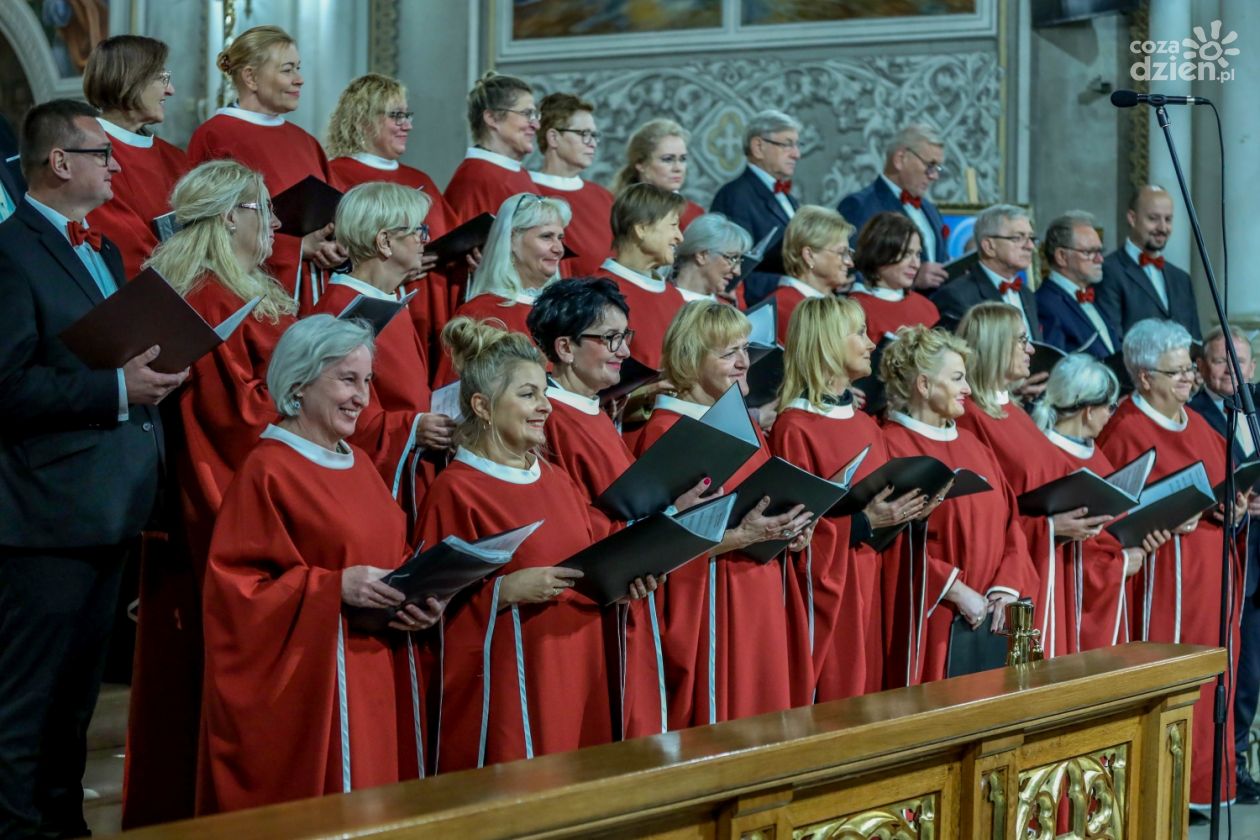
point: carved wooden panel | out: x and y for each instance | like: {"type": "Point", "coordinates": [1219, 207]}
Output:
{"type": "Point", "coordinates": [914, 819]}
{"type": "Point", "coordinates": [1091, 786]}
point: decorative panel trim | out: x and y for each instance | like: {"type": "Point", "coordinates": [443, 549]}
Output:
{"type": "Point", "coordinates": [383, 37]}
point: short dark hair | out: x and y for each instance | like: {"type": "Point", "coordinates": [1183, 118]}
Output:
{"type": "Point", "coordinates": [557, 109]}
{"type": "Point", "coordinates": [641, 204]}
{"type": "Point", "coordinates": [48, 126]}
{"type": "Point", "coordinates": [569, 307]}
{"type": "Point", "coordinates": [883, 240]}
{"type": "Point", "coordinates": [119, 68]}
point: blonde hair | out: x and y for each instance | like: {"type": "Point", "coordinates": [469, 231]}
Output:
{"type": "Point", "coordinates": [990, 330]}
{"type": "Point", "coordinates": [492, 92]}
{"type": "Point", "coordinates": [918, 349]}
{"type": "Point", "coordinates": [815, 354]}
{"type": "Point", "coordinates": [352, 126]}
{"type": "Point", "coordinates": [812, 227]}
{"type": "Point", "coordinates": [252, 48]}
{"type": "Point", "coordinates": [699, 328]}
{"type": "Point", "coordinates": [497, 273]}
{"type": "Point", "coordinates": [203, 246]}
{"type": "Point", "coordinates": [367, 209]}
{"type": "Point", "coordinates": [640, 147]}
{"type": "Point", "coordinates": [485, 354]}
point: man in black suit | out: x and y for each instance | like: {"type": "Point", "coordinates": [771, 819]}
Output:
{"type": "Point", "coordinates": [760, 199]}
{"type": "Point", "coordinates": [79, 459]}
{"type": "Point", "coordinates": [1218, 383]}
{"type": "Point", "coordinates": [1137, 281]}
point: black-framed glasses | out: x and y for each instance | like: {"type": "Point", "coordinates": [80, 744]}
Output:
{"type": "Point", "coordinates": [530, 114]}
{"type": "Point", "coordinates": [1017, 238]}
{"type": "Point", "coordinates": [106, 152]}
{"type": "Point", "coordinates": [164, 77]}
{"type": "Point", "coordinates": [589, 136]}
{"type": "Point", "coordinates": [931, 167]}
{"type": "Point", "coordinates": [421, 230]}
{"type": "Point", "coordinates": [1089, 253]}
{"type": "Point", "coordinates": [783, 144]}
{"type": "Point", "coordinates": [614, 341]}
{"type": "Point", "coordinates": [400, 117]}
{"type": "Point", "coordinates": [1173, 374]}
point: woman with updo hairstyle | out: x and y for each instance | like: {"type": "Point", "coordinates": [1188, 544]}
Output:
{"type": "Point", "coordinates": [265, 69]}
{"type": "Point", "coordinates": [816, 260]}
{"type": "Point", "coordinates": [887, 254]}
{"type": "Point", "coordinates": [503, 121]}
{"type": "Point", "coordinates": [657, 154]}
{"type": "Point", "coordinates": [974, 558]}
{"type": "Point", "coordinates": [127, 80]}
{"type": "Point", "coordinates": [708, 261]}
{"type": "Point", "coordinates": [836, 580]}
{"type": "Point", "coordinates": [735, 665]}
{"type": "Point", "coordinates": [543, 687]}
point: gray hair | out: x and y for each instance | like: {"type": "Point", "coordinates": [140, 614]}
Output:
{"type": "Point", "coordinates": [989, 221]}
{"type": "Point", "coordinates": [911, 135]}
{"type": "Point", "coordinates": [497, 273]}
{"type": "Point", "coordinates": [1062, 231]}
{"type": "Point", "coordinates": [715, 233]}
{"type": "Point", "coordinates": [1217, 333]}
{"type": "Point", "coordinates": [768, 122]}
{"type": "Point", "coordinates": [1149, 339]}
{"type": "Point", "coordinates": [306, 350]}
{"type": "Point", "coordinates": [1077, 381]}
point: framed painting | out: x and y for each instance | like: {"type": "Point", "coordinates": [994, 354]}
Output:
{"type": "Point", "coordinates": [960, 219]}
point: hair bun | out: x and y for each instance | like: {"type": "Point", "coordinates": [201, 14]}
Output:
{"type": "Point", "coordinates": [223, 62]}
{"type": "Point", "coordinates": [467, 338]}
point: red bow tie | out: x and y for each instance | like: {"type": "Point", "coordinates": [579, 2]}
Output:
{"type": "Point", "coordinates": [1085, 296]}
{"type": "Point", "coordinates": [1013, 286]}
{"type": "Point", "coordinates": [913, 200]}
{"type": "Point", "coordinates": [1145, 259]}
{"type": "Point", "coordinates": [782, 187]}
{"type": "Point", "coordinates": [78, 234]}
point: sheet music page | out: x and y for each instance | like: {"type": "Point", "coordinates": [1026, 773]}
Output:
{"type": "Point", "coordinates": [763, 320]}
{"type": "Point", "coordinates": [1131, 478]}
{"type": "Point", "coordinates": [494, 548]}
{"type": "Point", "coordinates": [708, 520]}
{"type": "Point", "coordinates": [1195, 476]}
{"type": "Point", "coordinates": [229, 325]}
{"type": "Point", "coordinates": [445, 400]}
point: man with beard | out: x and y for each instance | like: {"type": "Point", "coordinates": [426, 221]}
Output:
{"type": "Point", "coordinates": [1137, 281]}
{"type": "Point", "coordinates": [1070, 318]}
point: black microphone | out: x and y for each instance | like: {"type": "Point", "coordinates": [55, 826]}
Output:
{"type": "Point", "coordinates": [1129, 98]}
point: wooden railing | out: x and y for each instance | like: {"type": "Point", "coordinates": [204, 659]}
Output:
{"type": "Point", "coordinates": [984, 756]}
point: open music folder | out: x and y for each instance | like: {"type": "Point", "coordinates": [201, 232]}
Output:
{"type": "Point", "coordinates": [1112, 495]}
{"type": "Point", "coordinates": [1167, 503]}
{"type": "Point", "coordinates": [765, 356]}
{"type": "Point", "coordinates": [376, 311]}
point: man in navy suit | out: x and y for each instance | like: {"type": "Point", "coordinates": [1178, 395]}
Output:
{"type": "Point", "coordinates": [80, 451]}
{"type": "Point", "coordinates": [760, 199]}
{"type": "Point", "coordinates": [912, 164]}
{"type": "Point", "coordinates": [1137, 281]}
{"type": "Point", "coordinates": [1218, 383]}
{"type": "Point", "coordinates": [1070, 319]}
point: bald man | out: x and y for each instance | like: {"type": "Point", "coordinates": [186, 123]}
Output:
{"type": "Point", "coordinates": [1137, 281]}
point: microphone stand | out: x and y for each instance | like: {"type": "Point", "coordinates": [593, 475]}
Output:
{"type": "Point", "coordinates": [1246, 405]}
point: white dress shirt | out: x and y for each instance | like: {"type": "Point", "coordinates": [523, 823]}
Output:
{"type": "Point", "coordinates": [1090, 310]}
{"type": "Point", "coordinates": [1155, 275]}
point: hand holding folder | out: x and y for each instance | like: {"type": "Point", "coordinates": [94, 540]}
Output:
{"type": "Point", "coordinates": [1112, 495]}
{"type": "Point", "coordinates": [1166, 504]}
{"type": "Point", "coordinates": [305, 207]}
{"type": "Point", "coordinates": [378, 312]}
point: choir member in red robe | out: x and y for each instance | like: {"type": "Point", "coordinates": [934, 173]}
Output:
{"type": "Point", "coordinates": [835, 582]}
{"type": "Point", "coordinates": [126, 78]}
{"type": "Point", "coordinates": [709, 259]}
{"type": "Point", "coordinates": [1180, 586]}
{"type": "Point", "coordinates": [522, 255]}
{"type": "Point", "coordinates": [888, 257]}
{"type": "Point", "coordinates": [265, 68]}
{"type": "Point", "coordinates": [816, 259]}
{"type": "Point", "coordinates": [503, 120]}
{"type": "Point", "coordinates": [656, 154]}
{"type": "Point", "coordinates": [975, 556]}
{"type": "Point", "coordinates": [726, 638]}
{"type": "Point", "coordinates": [298, 703]}
{"type": "Point", "coordinates": [367, 134]}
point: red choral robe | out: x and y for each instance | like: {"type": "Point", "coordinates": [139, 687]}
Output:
{"type": "Point", "coordinates": [483, 181]}
{"type": "Point", "coordinates": [142, 191]}
{"type": "Point", "coordinates": [297, 704]}
{"type": "Point", "coordinates": [283, 154]}
{"type": "Point", "coordinates": [974, 538]}
{"type": "Point", "coordinates": [589, 233]}
{"type": "Point", "coordinates": [838, 586]}
{"type": "Point", "coordinates": [1178, 591]}
{"type": "Point", "coordinates": [787, 296]}
{"type": "Point", "coordinates": [689, 214]}
{"type": "Point", "coordinates": [653, 304]}
{"type": "Point", "coordinates": [726, 641]}
{"type": "Point", "coordinates": [540, 666]}
{"type": "Point", "coordinates": [887, 310]}
{"type": "Point", "coordinates": [488, 306]}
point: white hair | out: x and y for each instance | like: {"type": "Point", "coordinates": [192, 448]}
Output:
{"type": "Point", "coordinates": [768, 122]}
{"type": "Point", "coordinates": [1149, 339]}
{"type": "Point", "coordinates": [911, 135]}
{"type": "Point", "coordinates": [306, 350]}
{"type": "Point", "coordinates": [1076, 382]}
{"type": "Point", "coordinates": [715, 233]}
{"type": "Point", "coordinates": [989, 221]}
{"type": "Point", "coordinates": [497, 274]}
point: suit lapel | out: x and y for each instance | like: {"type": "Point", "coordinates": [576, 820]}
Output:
{"type": "Point", "coordinates": [59, 248]}
{"type": "Point", "coordinates": [767, 198]}
{"type": "Point", "coordinates": [1138, 276]}
{"type": "Point", "coordinates": [888, 200]}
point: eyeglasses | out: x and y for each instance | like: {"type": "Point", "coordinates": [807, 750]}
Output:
{"type": "Point", "coordinates": [1089, 253]}
{"type": "Point", "coordinates": [782, 144]}
{"type": "Point", "coordinates": [1023, 340]}
{"type": "Point", "coordinates": [1018, 238]}
{"type": "Point", "coordinates": [1173, 374]}
{"type": "Point", "coordinates": [613, 340]}
{"type": "Point", "coordinates": [256, 206]}
{"type": "Point", "coordinates": [400, 117]}
{"type": "Point", "coordinates": [844, 253]}
{"type": "Point", "coordinates": [730, 354]}
{"type": "Point", "coordinates": [106, 153]}
{"type": "Point", "coordinates": [670, 160]}
{"type": "Point", "coordinates": [421, 230]}
{"type": "Point", "coordinates": [164, 77]}
{"type": "Point", "coordinates": [589, 135]}
{"type": "Point", "coordinates": [929, 167]}
{"type": "Point", "coordinates": [733, 259]}
{"type": "Point", "coordinates": [530, 114]}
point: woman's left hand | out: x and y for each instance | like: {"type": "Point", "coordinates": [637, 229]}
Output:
{"type": "Point", "coordinates": [802, 540]}
{"type": "Point", "coordinates": [413, 617]}
{"type": "Point", "coordinates": [641, 587]}
{"type": "Point", "coordinates": [997, 604]}
{"type": "Point", "coordinates": [435, 431]}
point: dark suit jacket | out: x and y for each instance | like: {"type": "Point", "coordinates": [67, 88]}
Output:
{"type": "Point", "coordinates": [955, 297]}
{"type": "Point", "coordinates": [1065, 325]}
{"type": "Point", "coordinates": [71, 475]}
{"type": "Point", "coordinates": [858, 208]}
{"type": "Point", "coordinates": [749, 203]}
{"type": "Point", "coordinates": [1126, 295]}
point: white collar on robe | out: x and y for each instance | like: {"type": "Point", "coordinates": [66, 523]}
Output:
{"type": "Point", "coordinates": [894, 295]}
{"type": "Point", "coordinates": [1002, 397]}
{"type": "Point", "coordinates": [1084, 451]}
{"type": "Point", "coordinates": [804, 288]}
{"type": "Point", "coordinates": [503, 161]}
{"type": "Point", "coordinates": [643, 281]}
{"type": "Point", "coordinates": [342, 459]}
{"type": "Point", "coordinates": [375, 161]}
{"type": "Point", "coordinates": [250, 116]}
{"type": "Point", "coordinates": [1159, 419]}
{"type": "Point", "coordinates": [122, 135]}
{"type": "Point", "coordinates": [689, 295]}
{"type": "Point", "coordinates": [567, 183]}
{"type": "Point", "coordinates": [365, 289]}
{"type": "Point", "coordinates": [512, 475]}
{"type": "Point", "coordinates": [584, 404]}
{"type": "Point", "coordinates": [687, 408]}
{"type": "Point", "coordinates": [835, 412]}
{"type": "Point", "coordinates": [944, 433]}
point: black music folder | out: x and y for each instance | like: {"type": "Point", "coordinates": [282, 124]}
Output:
{"type": "Point", "coordinates": [165, 226]}
{"type": "Point", "coordinates": [441, 571]}
{"type": "Point", "coordinates": [458, 242]}
{"type": "Point", "coordinates": [634, 375]}
{"type": "Point", "coordinates": [1044, 358]}
{"type": "Point", "coordinates": [765, 356]}
{"type": "Point", "coordinates": [1245, 477]}
{"type": "Point", "coordinates": [1104, 496]}
{"type": "Point", "coordinates": [760, 253]}
{"type": "Point", "coordinates": [142, 313]}
{"type": "Point", "coordinates": [974, 649]}
{"type": "Point", "coordinates": [376, 311]}
{"type": "Point", "coordinates": [1166, 503]}
{"type": "Point", "coordinates": [715, 446]}
{"type": "Point", "coordinates": [960, 266]}
{"type": "Point", "coordinates": [306, 206]}
{"type": "Point", "coordinates": [655, 546]}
